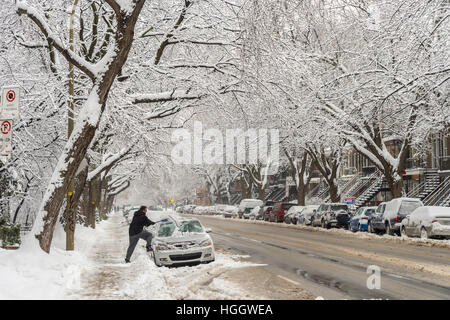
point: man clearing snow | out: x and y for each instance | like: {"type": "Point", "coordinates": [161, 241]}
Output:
{"type": "Point", "coordinates": [136, 231]}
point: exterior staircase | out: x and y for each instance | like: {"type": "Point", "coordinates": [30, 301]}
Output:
{"type": "Point", "coordinates": [362, 184]}
{"type": "Point", "coordinates": [440, 196]}
{"type": "Point", "coordinates": [370, 192]}
{"type": "Point", "coordinates": [432, 182]}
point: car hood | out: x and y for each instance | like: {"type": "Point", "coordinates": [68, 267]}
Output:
{"type": "Point", "coordinates": [184, 237]}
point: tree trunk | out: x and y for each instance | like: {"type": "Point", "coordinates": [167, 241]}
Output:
{"type": "Point", "coordinates": [396, 186]}
{"type": "Point", "coordinates": [72, 206]}
{"type": "Point", "coordinates": [335, 197]}
{"type": "Point", "coordinates": [261, 193]}
{"type": "Point", "coordinates": [301, 193]}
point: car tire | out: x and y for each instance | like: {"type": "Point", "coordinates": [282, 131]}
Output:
{"type": "Point", "coordinates": [403, 232]}
{"type": "Point", "coordinates": [389, 229]}
{"type": "Point", "coordinates": [424, 234]}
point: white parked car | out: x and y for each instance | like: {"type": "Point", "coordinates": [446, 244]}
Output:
{"type": "Point", "coordinates": [200, 210]}
{"type": "Point", "coordinates": [230, 212]}
{"type": "Point", "coordinates": [292, 214]}
{"type": "Point", "coordinates": [396, 210]}
{"type": "Point", "coordinates": [246, 206]}
{"type": "Point", "coordinates": [182, 241]}
{"type": "Point", "coordinates": [427, 222]}
{"type": "Point", "coordinates": [306, 214]}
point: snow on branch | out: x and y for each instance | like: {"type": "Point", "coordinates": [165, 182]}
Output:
{"type": "Point", "coordinates": [69, 55]}
{"type": "Point", "coordinates": [176, 94]}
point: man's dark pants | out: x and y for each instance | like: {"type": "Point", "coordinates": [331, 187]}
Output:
{"type": "Point", "coordinates": [144, 235]}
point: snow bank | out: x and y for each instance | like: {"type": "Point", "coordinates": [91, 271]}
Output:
{"type": "Point", "coordinates": [186, 283]}
{"type": "Point", "coordinates": [30, 273]}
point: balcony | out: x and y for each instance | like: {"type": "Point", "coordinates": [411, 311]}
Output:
{"type": "Point", "coordinates": [413, 163]}
{"type": "Point", "coordinates": [444, 163]}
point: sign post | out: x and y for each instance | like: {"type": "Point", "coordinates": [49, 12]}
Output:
{"type": "Point", "coordinates": [9, 111]}
{"type": "Point", "coordinates": [5, 138]}
{"type": "Point", "coordinates": [10, 103]}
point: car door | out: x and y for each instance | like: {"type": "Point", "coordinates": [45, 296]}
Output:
{"type": "Point", "coordinates": [377, 220]}
{"type": "Point", "coordinates": [411, 224]}
{"type": "Point", "coordinates": [316, 215]}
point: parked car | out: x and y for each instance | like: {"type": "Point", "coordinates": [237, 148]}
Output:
{"type": "Point", "coordinates": [306, 214]}
{"type": "Point", "coordinates": [359, 220]}
{"type": "Point", "coordinates": [254, 213]}
{"type": "Point", "coordinates": [375, 222]}
{"type": "Point", "coordinates": [201, 210]}
{"type": "Point", "coordinates": [246, 206]}
{"type": "Point", "coordinates": [396, 210]}
{"type": "Point", "coordinates": [180, 241]}
{"type": "Point", "coordinates": [265, 211]}
{"type": "Point", "coordinates": [292, 214]}
{"type": "Point", "coordinates": [230, 212]}
{"type": "Point", "coordinates": [279, 210]}
{"type": "Point", "coordinates": [188, 209]}
{"type": "Point", "coordinates": [427, 222]}
{"type": "Point", "coordinates": [332, 215]}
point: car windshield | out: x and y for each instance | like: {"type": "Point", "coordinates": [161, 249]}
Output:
{"type": "Point", "coordinates": [166, 229]}
{"type": "Point", "coordinates": [269, 203]}
{"type": "Point", "coordinates": [339, 207]}
{"type": "Point", "coordinates": [369, 212]}
{"type": "Point", "coordinates": [192, 226]}
{"type": "Point", "coordinates": [408, 206]}
{"type": "Point", "coordinates": [286, 206]}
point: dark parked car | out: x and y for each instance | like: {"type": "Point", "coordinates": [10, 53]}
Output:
{"type": "Point", "coordinates": [332, 215]}
{"type": "Point", "coordinates": [279, 210]}
{"type": "Point", "coordinates": [375, 223]}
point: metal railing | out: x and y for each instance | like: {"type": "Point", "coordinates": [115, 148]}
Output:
{"type": "Point", "coordinates": [440, 194]}
{"type": "Point", "coordinates": [350, 183]}
{"type": "Point", "coordinates": [415, 192]}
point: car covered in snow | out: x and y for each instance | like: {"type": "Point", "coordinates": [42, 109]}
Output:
{"type": "Point", "coordinates": [229, 211]}
{"type": "Point", "coordinates": [427, 222]}
{"type": "Point", "coordinates": [181, 240]}
{"type": "Point", "coordinates": [396, 210]}
{"type": "Point", "coordinates": [306, 214]}
{"type": "Point", "coordinates": [246, 206]}
{"type": "Point", "coordinates": [292, 214]}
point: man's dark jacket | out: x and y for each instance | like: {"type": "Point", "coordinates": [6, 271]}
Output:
{"type": "Point", "coordinates": [139, 221]}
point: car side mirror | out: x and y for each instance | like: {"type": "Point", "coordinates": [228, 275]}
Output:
{"type": "Point", "coordinates": [208, 230]}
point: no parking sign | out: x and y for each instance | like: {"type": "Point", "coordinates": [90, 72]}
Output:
{"type": "Point", "coordinates": [5, 137]}
{"type": "Point", "coordinates": [10, 103]}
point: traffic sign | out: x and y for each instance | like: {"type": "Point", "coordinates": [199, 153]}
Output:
{"type": "Point", "coordinates": [10, 108]}
{"type": "Point", "coordinates": [6, 128]}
